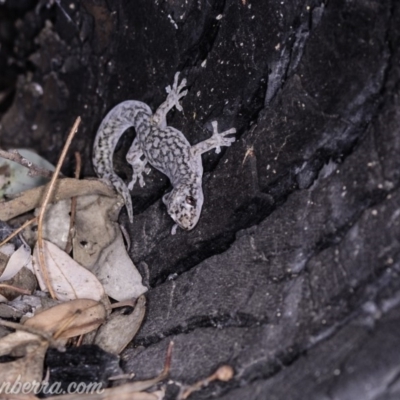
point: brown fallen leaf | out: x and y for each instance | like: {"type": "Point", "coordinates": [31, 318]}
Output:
{"type": "Point", "coordinates": [15, 273]}
{"type": "Point", "coordinates": [97, 242]}
{"type": "Point", "coordinates": [73, 318]}
{"type": "Point", "coordinates": [98, 245]}
{"type": "Point", "coordinates": [69, 280]}
{"type": "Point", "coordinates": [20, 258]}
{"type": "Point", "coordinates": [18, 397]}
{"type": "Point", "coordinates": [29, 351]}
{"type": "Point", "coordinates": [55, 224]}
{"type": "Point", "coordinates": [64, 189]}
{"type": "Point", "coordinates": [122, 392]}
{"type": "Point", "coordinates": [119, 329]}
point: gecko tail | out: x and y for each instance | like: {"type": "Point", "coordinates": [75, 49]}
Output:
{"type": "Point", "coordinates": [123, 190]}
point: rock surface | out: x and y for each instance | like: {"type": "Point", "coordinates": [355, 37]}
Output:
{"type": "Point", "coordinates": [292, 274]}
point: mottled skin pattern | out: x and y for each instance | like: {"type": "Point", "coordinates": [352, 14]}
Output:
{"type": "Point", "coordinates": [162, 146]}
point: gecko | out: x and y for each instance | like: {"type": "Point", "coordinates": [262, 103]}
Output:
{"type": "Point", "coordinates": [163, 147]}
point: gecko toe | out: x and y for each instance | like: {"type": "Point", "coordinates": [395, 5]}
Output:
{"type": "Point", "coordinates": [182, 85]}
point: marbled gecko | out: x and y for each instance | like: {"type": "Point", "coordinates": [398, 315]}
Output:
{"type": "Point", "coordinates": [162, 146]}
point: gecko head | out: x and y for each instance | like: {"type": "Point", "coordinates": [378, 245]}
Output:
{"type": "Point", "coordinates": [184, 205]}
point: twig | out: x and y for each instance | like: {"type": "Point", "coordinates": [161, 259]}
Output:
{"type": "Point", "coordinates": [223, 373]}
{"type": "Point", "coordinates": [168, 358]}
{"type": "Point", "coordinates": [40, 243]}
{"type": "Point", "coordinates": [34, 170]}
{"type": "Point", "coordinates": [33, 331]}
{"type": "Point", "coordinates": [68, 246]}
{"type": "Point", "coordinates": [18, 230]}
{"type": "Point", "coordinates": [122, 376]}
{"type": "Point", "coordinates": [79, 342]}
{"type": "Point", "coordinates": [15, 288]}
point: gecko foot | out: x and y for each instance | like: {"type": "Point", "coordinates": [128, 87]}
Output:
{"type": "Point", "coordinates": [175, 94]}
{"type": "Point", "coordinates": [219, 137]}
{"type": "Point", "coordinates": [159, 118]}
{"type": "Point", "coordinates": [138, 175]}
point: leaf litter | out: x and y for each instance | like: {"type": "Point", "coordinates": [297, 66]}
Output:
{"type": "Point", "coordinates": [74, 303]}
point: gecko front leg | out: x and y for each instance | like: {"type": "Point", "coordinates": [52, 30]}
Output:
{"type": "Point", "coordinates": [138, 161]}
{"type": "Point", "coordinates": [217, 140]}
{"type": "Point", "coordinates": [174, 95]}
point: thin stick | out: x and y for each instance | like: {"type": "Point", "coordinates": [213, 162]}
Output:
{"type": "Point", "coordinates": [15, 288]}
{"type": "Point", "coordinates": [168, 357]}
{"type": "Point", "coordinates": [79, 341]}
{"type": "Point", "coordinates": [122, 376]}
{"type": "Point", "coordinates": [18, 230]}
{"type": "Point", "coordinates": [34, 170]}
{"type": "Point", "coordinates": [40, 243]}
{"type": "Point", "coordinates": [223, 373]}
{"type": "Point", "coordinates": [34, 331]}
{"type": "Point", "coordinates": [78, 160]}
{"type": "Point", "coordinates": [68, 246]}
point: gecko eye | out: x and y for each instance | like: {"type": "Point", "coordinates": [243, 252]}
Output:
{"type": "Point", "coordinates": [190, 200]}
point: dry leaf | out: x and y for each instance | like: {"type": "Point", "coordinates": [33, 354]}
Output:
{"type": "Point", "coordinates": [69, 319]}
{"type": "Point", "coordinates": [22, 283]}
{"type": "Point", "coordinates": [29, 351]}
{"type": "Point", "coordinates": [117, 273]}
{"type": "Point", "coordinates": [17, 177]}
{"type": "Point", "coordinates": [95, 226]}
{"type": "Point", "coordinates": [20, 258]}
{"type": "Point", "coordinates": [19, 397]}
{"type": "Point", "coordinates": [15, 273]}
{"type": "Point", "coordinates": [64, 189]}
{"type": "Point", "coordinates": [119, 329]}
{"type": "Point", "coordinates": [69, 279]}
{"type": "Point", "coordinates": [56, 223]}
{"type": "Point", "coordinates": [99, 246]}
{"type": "Point", "coordinates": [7, 249]}
{"type": "Point", "coordinates": [122, 392]}
{"type": "Point", "coordinates": [27, 305]}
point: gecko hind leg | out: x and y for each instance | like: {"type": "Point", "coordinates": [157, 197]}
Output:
{"type": "Point", "coordinates": [138, 161]}
{"type": "Point", "coordinates": [172, 100]}
{"type": "Point", "coordinates": [217, 140]}
{"type": "Point", "coordinates": [137, 174]}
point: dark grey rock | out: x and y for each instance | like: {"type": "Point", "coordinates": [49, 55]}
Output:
{"type": "Point", "coordinates": [291, 275]}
